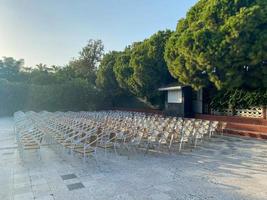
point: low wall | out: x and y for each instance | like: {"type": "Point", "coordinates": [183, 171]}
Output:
{"type": "Point", "coordinates": [144, 110]}
{"type": "Point", "coordinates": [235, 119]}
{"type": "Point", "coordinates": [253, 112]}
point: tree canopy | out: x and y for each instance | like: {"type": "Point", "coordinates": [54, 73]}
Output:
{"type": "Point", "coordinates": [52, 88]}
{"type": "Point", "coordinates": [123, 71]}
{"type": "Point", "coordinates": [9, 68]}
{"type": "Point", "coordinates": [141, 68]}
{"type": "Point", "coordinates": [106, 79]}
{"type": "Point", "coordinates": [222, 42]}
{"type": "Point", "coordinates": [88, 61]}
{"type": "Point", "coordinates": [87, 82]}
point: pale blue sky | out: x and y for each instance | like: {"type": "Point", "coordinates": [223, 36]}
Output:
{"type": "Point", "coordinates": [54, 31]}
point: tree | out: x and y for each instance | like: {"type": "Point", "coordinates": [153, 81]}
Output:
{"type": "Point", "coordinates": [149, 66]}
{"type": "Point", "coordinates": [64, 74]}
{"type": "Point", "coordinates": [86, 64]}
{"type": "Point", "coordinates": [123, 71]}
{"type": "Point", "coordinates": [10, 68]}
{"type": "Point", "coordinates": [41, 67]}
{"type": "Point", "coordinates": [106, 79]}
{"type": "Point", "coordinates": [42, 75]}
{"type": "Point", "coordinates": [238, 98]}
{"type": "Point", "coordinates": [221, 42]}
{"type": "Point", "coordinates": [141, 68]}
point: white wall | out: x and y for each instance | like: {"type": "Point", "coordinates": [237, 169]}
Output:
{"type": "Point", "coordinates": [175, 96]}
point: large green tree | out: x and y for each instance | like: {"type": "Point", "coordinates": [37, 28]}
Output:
{"type": "Point", "coordinates": [141, 68]}
{"type": "Point", "coordinates": [41, 75]}
{"type": "Point", "coordinates": [10, 68]}
{"type": "Point", "coordinates": [123, 71]}
{"type": "Point", "coordinates": [149, 66]}
{"type": "Point", "coordinates": [106, 79]}
{"type": "Point", "coordinates": [223, 42]}
{"type": "Point", "coordinates": [85, 66]}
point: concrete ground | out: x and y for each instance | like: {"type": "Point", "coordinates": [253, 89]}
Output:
{"type": "Point", "coordinates": [228, 168]}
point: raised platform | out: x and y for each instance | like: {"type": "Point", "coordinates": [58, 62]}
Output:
{"type": "Point", "coordinates": [249, 127]}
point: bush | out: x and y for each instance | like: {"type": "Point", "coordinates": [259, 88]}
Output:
{"type": "Point", "coordinates": [239, 98]}
{"type": "Point", "coordinates": [12, 97]}
{"type": "Point", "coordinates": [74, 95]}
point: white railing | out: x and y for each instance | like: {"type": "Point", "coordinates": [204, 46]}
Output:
{"type": "Point", "coordinates": [253, 112]}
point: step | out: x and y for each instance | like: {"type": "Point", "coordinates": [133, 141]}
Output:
{"type": "Point", "coordinates": [254, 134]}
{"type": "Point", "coordinates": [234, 119]}
{"type": "Point", "coordinates": [246, 127]}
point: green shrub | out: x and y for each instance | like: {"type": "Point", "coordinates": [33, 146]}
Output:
{"type": "Point", "coordinates": [73, 95]}
{"type": "Point", "coordinates": [238, 98]}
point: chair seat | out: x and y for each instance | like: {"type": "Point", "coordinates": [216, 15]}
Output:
{"type": "Point", "coordinates": [66, 144]}
{"type": "Point", "coordinates": [77, 146]}
{"type": "Point", "coordinates": [107, 145]}
{"type": "Point", "coordinates": [82, 151]}
{"type": "Point", "coordinates": [31, 147]}
{"type": "Point", "coordinates": [29, 143]}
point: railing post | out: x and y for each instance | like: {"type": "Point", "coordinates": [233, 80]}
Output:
{"type": "Point", "coordinates": [264, 112]}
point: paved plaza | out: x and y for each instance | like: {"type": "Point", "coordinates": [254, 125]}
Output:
{"type": "Point", "coordinates": [224, 167]}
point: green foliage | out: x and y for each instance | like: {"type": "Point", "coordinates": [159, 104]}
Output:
{"type": "Point", "coordinates": [122, 69]}
{"type": "Point", "coordinates": [73, 95]}
{"type": "Point", "coordinates": [12, 96]}
{"type": "Point", "coordinates": [238, 98]}
{"type": "Point", "coordinates": [223, 42]}
{"type": "Point", "coordinates": [41, 76]}
{"type": "Point", "coordinates": [149, 67]}
{"type": "Point", "coordinates": [86, 65]}
{"type": "Point", "coordinates": [141, 68]}
{"type": "Point", "coordinates": [51, 88]}
{"type": "Point", "coordinates": [9, 68]}
{"type": "Point", "coordinates": [55, 88]}
{"type": "Point", "coordinates": [106, 79]}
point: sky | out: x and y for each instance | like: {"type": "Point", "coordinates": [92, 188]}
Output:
{"type": "Point", "coordinates": [54, 31]}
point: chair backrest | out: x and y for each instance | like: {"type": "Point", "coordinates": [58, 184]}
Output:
{"type": "Point", "coordinates": [137, 138]}
{"type": "Point", "coordinates": [214, 125]}
{"type": "Point", "coordinates": [93, 140]}
{"type": "Point", "coordinates": [188, 128]}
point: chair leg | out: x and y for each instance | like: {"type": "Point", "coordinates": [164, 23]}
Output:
{"type": "Point", "coordinates": [180, 146]}
{"type": "Point", "coordinates": [39, 154]}
{"type": "Point", "coordinates": [95, 157]}
{"type": "Point", "coordinates": [181, 143]}
{"type": "Point", "coordinates": [147, 148]}
{"type": "Point", "coordinates": [23, 156]}
{"type": "Point", "coordinates": [115, 149]}
{"type": "Point", "coordinates": [195, 143]}
{"type": "Point", "coordinates": [159, 147]}
{"type": "Point", "coordinates": [84, 156]}
{"type": "Point", "coordinates": [135, 150]}
{"type": "Point", "coordinates": [169, 150]}
{"type": "Point", "coordinates": [170, 147]}
{"type": "Point", "coordinates": [105, 151]}
{"type": "Point", "coordinates": [129, 151]}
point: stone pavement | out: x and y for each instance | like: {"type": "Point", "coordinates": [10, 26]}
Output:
{"type": "Point", "coordinates": [229, 168]}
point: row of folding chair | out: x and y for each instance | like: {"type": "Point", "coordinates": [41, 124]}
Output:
{"type": "Point", "coordinates": [168, 130]}
{"type": "Point", "coordinates": [28, 135]}
{"type": "Point", "coordinates": [85, 132]}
